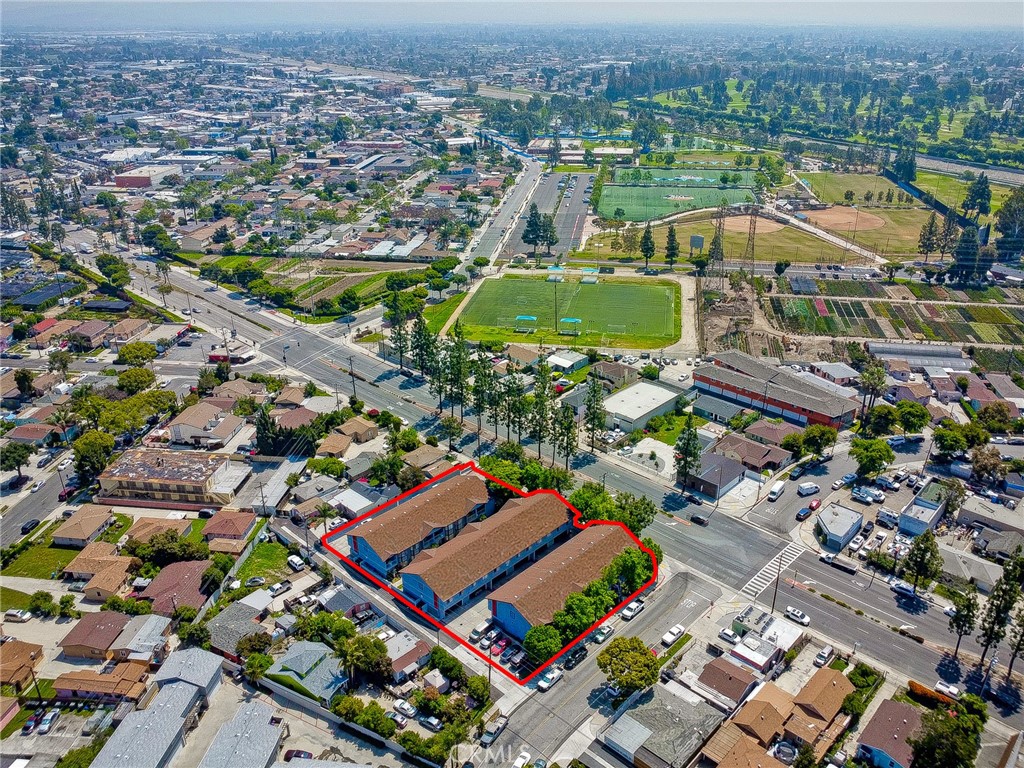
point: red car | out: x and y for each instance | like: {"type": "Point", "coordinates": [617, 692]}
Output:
{"type": "Point", "coordinates": [67, 493]}
{"type": "Point", "coordinates": [815, 503]}
{"type": "Point", "coordinates": [499, 646]}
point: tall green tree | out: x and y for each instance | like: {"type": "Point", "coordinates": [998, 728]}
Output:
{"type": "Point", "coordinates": [541, 406]}
{"type": "Point", "coordinates": [872, 456]}
{"type": "Point", "coordinates": [450, 429]}
{"type": "Point", "coordinates": [1001, 600]}
{"type": "Point", "coordinates": [671, 247]}
{"type": "Point", "coordinates": [629, 664]}
{"type": "Point", "coordinates": [400, 340]}
{"type": "Point", "coordinates": [967, 254]}
{"type": "Point", "coordinates": [1009, 224]}
{"type": "Point", "coordinates": [423, 345]}
{"type": "Point", "coordinates": [1016, 640]}
{"type": "Point", "coordinates": [912, 415]}
{"type": "Point", "coordinates": [549, 233]}
{"type": "Point", "coordinates": [92, 452]}
{"type": "Point", "coordinates": [949, 737]}
{"type": "Point", "coordinates": [964, 621]}
{"type": "Point", "coordinates": [949, 235]}
{"type": "Point", "coordinates": [978, 200]}
{"type": "Point", "coordinates": [647, 245]}
{"type": "Point", "coordinates": [541, 643]}
{"type": "Point", "coordinates": [595, 417]}
{"type": "Point", "coordinates": [928, 240]}
{"type": "Point", "coordinates": [873, 386]}
{"type": "Point", "coordinates": [533, 232]}
{"type": "Point", "coordinates": [687, 451]}
{"type": "Point", "coordinates": [458, 368]}
{"type": "Point", "coordinates": [23, 379]}
{"type": "Point", "coordinates": [565, 436]}
{"type": "Point", "coordinates": [818, 437]}
{"type": "Point", "coordinates": [923, 561]}
{"type": "Point", "coordinates": [14, 456]}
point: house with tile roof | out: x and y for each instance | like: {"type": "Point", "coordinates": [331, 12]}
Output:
{"type": "Point", "coordinates": [389, 540]}
{"type": "Point", "coordinates": [532, 597]}
{"type": "Point", "coordinates": [445, 578]}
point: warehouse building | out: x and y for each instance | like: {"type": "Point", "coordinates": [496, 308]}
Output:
{"type": "Point", "coordinates": [446, 578]}
{"type": "Point", "coordinates": [776, 391]}
{"type": "Point", "coordinates": [631, 408]}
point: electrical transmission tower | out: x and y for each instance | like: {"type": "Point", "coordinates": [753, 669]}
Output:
{"type": "Point", "coordinates": [718, 256]}
{"type": "Point", "coordinates": [748, 253]}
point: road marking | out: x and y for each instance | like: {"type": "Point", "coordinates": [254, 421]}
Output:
{"type": "Point", "coordinates": [771, 569]}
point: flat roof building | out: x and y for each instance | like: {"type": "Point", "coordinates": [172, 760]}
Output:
{"type": "Point", "coordinates": [531, 598]}
{"type": "Point", "coordinates": [442, 579]}
{"type": "Point", "coordinates": [173, 478]}
{"type": "Point", "coordinates": [839, 525]}
{"type": "Point", "coordinates": [252, 738]}
{"type": "Point", "coordinates": [631, 408]}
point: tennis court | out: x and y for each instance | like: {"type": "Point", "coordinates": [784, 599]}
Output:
{"type": "Point", "coordinates": [636, 314]}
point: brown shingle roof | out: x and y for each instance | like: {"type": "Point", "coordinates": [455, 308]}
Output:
{"type": "Point", "coordinates": [541, 589]}
{"type": "Point", "coordinates": [823, 694]}
{"type": "Point", "coordinates": [356, 425]}
{"type": "Point", "coordinates": [295, 417]}
{"type": "Point", "coordinates": [126, 680]}
{"type": "Point", "coordinates": [745, 753]}
{"type": "Point", "coordinates": [96, 630]}
{"type": "Point", "coordinates": [290, 396]}
{"type": "Point", "coordinates": [96, 557]}
{"type": "Point", "coordinates": [176, 585]}
{"type": "Point", "coordinates": [423, 456]}
{"type": "Point", "coordinates": [726, 678]}
{"type": "Point", "coordinates": [197, 416]}
{"type": "Point", "coordinates": [84, 524]}
{"type": "Point", "coordinates": [482, 547]}
{"type": "Point", "coordinates": [147, 527]}
{"type": "Point", "coordinates": [335, 444]}
{"type": "Point", "coordinates": [17, 660]}
{"type": "Point", "coordinates": [771, 432]}
{"type": "Point", "coordinates": [410, 521]}
{"type": "Point", "coordinates": [228, 525]}
{"type": "Point", "coordinates": [761, 720]}
{"type": "Point", "coordinates": [890, 727]}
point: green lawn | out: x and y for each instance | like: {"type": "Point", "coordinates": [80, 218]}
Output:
{"type": "Point", "coordinates": [830, 187]}
{"type": "Point", "coordinates": [12, 598]}
{"type": "Point", "coordinates": [626, 313]}
{"type": "Point", "coordinates": [196, 534]}
{"type": "Point", "coordinates": [899, 234]}
{"type": "Point", "coordinates": [121, 525]}
{"type": "Point", "coordinates": [952, 189]}
{"type": "Point", "coordinates": [268, 559]}
{"type": "Point", "coordinates": [643, 203]}
{"type": "Point", "coordinates": [670, 427]}
{"type": "Point", "coordinates": [788, 243]}
{"type": "Point", "coordinates": [437, 315]}
{"type": "Point", "coordinates": [15, 725]}
{"type": "Point", "coordinates": [687, 177]}
{"type": "Point", "coordinates": [42, 559]}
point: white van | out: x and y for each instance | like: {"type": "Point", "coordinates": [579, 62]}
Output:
{"type": "Point", "coordinates": [824, 656]}
{"type": "Point", "coordinates": [480, 630]}
{"type": "Point", "coordinates": [777, 489]}
{"type": "Point", "coordinates": [806, 489]}
{"type": "Point", "coordinates": [295, 563]}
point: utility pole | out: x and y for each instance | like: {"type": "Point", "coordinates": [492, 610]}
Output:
{"type": "Point", "coordinates": [778, 578]}
{"type": "Point", "coordinates": [352, 373]}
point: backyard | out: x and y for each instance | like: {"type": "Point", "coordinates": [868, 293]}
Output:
{"type": "Point", "coordinates": [42, 560]}
{"type": "Point", "coordinates": [268, 559]}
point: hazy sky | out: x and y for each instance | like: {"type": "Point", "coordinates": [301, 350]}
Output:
{"type": "Point", "coordinates": [245, 15]}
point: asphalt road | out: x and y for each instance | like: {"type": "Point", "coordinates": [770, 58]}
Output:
{"type": "Point", "coordinates": [545, 720]}
{"type": "Point", "coordinates": [33, 505]}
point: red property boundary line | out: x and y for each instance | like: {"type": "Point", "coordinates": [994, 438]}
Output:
{"type": "Point", "coordinates": [458, 469]}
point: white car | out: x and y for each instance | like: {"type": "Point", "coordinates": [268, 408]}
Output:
{"type": "Point", "coordinates": [950, 611]}
{"type": "Point", "coordinates": [39, 484]}
{"type": "Point", "coordinates": [549, 678]}
{"type": "Point", "coordinates": [949, 690]}
{"type": "Point", "coordinates": [403, 706]}
{"type": "Point", "coordinates": [837, 485]}
{"type": "Point", "coordinates": [729, 636]}
{"type": "Point", "coordinates": [795, 614]}
{"type": "Point", "coordinates": [522, 761]}
{"type": "Point", "coordinates": [603, 633]}
{"type": "Point", "coordinates": [632, 610]}
{"type": "Point", "coordinates": [673, 634]}
{"type": "Point", "coordinates": [857, 543]}
{"type": "Point", "coordinates": [65, 464]}
{"type": "Point", "coordinates": [998, 441]}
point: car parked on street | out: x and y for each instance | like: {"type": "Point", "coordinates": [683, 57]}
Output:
{"type": "Point", "coordinates": [795, 614]}
{"type": "Point", "coordinates": [603, 633]}
{"type": "Point", "coordinates": [547, 680]}
{"type": "Point", "coordinates": [632, 610]}
{"type": "Point", "coordinates": [673, 634]}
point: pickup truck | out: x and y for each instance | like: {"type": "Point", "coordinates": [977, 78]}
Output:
{"type": "Point", "coordinates": [836, 561]}
{"type": "Point", "coordinates": [493, 730]}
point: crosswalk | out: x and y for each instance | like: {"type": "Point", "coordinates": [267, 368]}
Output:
{"type": "Point", "coordinates": [767, 575]}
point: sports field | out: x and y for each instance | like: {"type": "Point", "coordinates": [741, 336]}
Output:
{"type": "Point", "coordinates": [613, 313]}
{"type": "Point", "coordinates": [687, 177]}
{"type": "Point", "coordinates": [951, 190]}
{"type": "Point", "coordinates": [654, 202]}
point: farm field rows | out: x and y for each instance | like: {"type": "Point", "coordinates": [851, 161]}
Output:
{"type": "Point", "coordinates": [826, 316]}
{"type": "Point", "coordinates": [621, 313]}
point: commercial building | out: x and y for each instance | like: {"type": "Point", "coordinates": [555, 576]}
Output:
{"type": "Point", "coordinates": [839, 524]}
{"type": "Point", "coordinates": [925, 510]}
{"type": "Point", "coordinates": [390, 540]}
{"type": "Point", "coordinates": [746, 380]}
{"type": "Point", "coordinates": [145, 176]}
{"type": "Point", "coordinates": [180, 479]}
{"type": "Point", "coordinates": [883, 742]}
{"type": "Point", "coordinates": [631, 408]}
{"type": "Point", "coordinates": [532, 597]}
{"type": "Point", "coordinates": [443, 579]}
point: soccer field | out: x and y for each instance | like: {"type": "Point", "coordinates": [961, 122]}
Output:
{"type": "Point", "coordinates": [616, 313]}
{"type": "Point", "coordinates": [653, 202]}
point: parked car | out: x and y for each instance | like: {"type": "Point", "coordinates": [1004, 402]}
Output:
{"type": "Point", "coordinates": [29, 525]}
{"type": "Point", "coordinates": [279, 588]}
{"type": "Point", "coordinates": [17, 615]}
{"type": "Point", "coordinates": [729, 636]}
{"type": "Point", "coordinates": [795, 614]}
{"type": "Point", "coordinates": [489, 639]}
{"type": "Point", "coordinates": [297, 754]}
{"type": "Point", "coordinates": [38, 485]}
{"type": "Point", "coordinates": [407, 709]}
{"type": "Point", "coordinates": [49, 720]}
{"type": "Point", "coordinates": [547, 680]}
{"type": "Point", "coordinates": [603, 633]}
{"type": "Point", "coordinates": [803, 514]}
{"type": "Point", "coordinates": [29, 726]}
{"type": "Point", "coordinates": [400, 720]}
{"type": "Point", "coordinates": [431, 724]}
{"type": "Point", "coordinates": [815, 503]}
{"type": "Point", "coordinates": [499, 646]}
{"type": "Point", "coordinates": [206, 513]}
{"type": "Point", "coordinates": [522, 761]}
{"type": "Point", "coordinates": [672, 635]}
{"type": "Point", "coordinates": [949, 690]}
{"type": "Point", "coordinates": [838, 484]}
{"type": "Point", "coordinates": [632, 610]}
{"type": "Point", "coordinates": [857, 543]}
{"type": "Point", "coordinates": [255, 581]}
{"type": "Point", "coordinates": [575, 656]}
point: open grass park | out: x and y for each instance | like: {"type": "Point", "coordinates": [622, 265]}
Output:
{"type": "Point", "coordinates": [644, 203]}
{"type": "Point", "coordinates": [611, 313]}
{"type": "Point", "coordinates": [951, 190]}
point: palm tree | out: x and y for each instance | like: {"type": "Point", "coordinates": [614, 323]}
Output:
{"type": "Point", "coordinates": [63, 418]}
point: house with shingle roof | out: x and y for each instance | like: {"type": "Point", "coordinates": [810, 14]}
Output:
{"type": "Point", "coordinates": [84, 526]}
{"type": "Point", "coordinates": [145, 528]}
{"type": "Point", "coordinates": [204, 425]}
{"type": "Point", "coordinates": [883, 742]}
{"type": "Point", "coordinates": [93, 635]}
{"type": "Point", "coordinates": [359, 429]}
{"type": "Point", "coordinates": [177, 585]}
{"type": "Point", "coordinates": [771, 432]}
{"type": "Point", "coordinates": [391, 539]}
{"type": "Point", "coordinates": [293, 418]}
{"type": "Point", "coordinates": [229, 525]}
{"type": "Point", "coordinates": [310, 668]}
{"type": "Point", "coordinates": [104, 571]}
{"type": "Point", "coordinates": [228, 627]}
{"type": "Point", "coordinates": [441, 579]}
